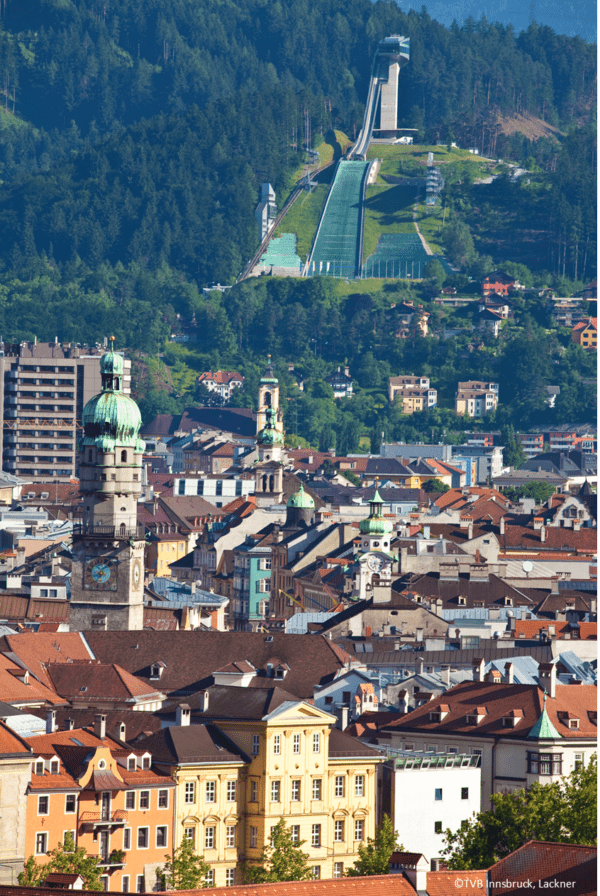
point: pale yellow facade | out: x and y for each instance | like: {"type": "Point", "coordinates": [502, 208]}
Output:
{"type": "Point", "coordinates": [210, 810]}
{"type": "Point", "coordinates": [328, 801]}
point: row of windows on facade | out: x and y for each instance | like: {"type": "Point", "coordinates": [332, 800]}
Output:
{"type": "Point", "coordinates": [218, 487]}
{"type": "Point", "coordinates": [142, 839]}
{"type": "Point", "coordinates": [537, 763]}
{"type": "Point", "coordinates": [210, 792]}
{"type": "Point", "coordinates": [143, 799]}
{"type": "Point", "coordinates": [339, 834]}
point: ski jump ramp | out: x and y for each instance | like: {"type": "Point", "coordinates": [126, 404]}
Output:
{"type": "Point", "coordinates": [392, 54]}
{"type": "Point", "coordinates": [337, 247]}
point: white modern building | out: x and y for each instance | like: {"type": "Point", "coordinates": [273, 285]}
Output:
{"type": "Point", "coordinates": [214, 490]}
{"type": "Point", "coordinates": [429, 793]}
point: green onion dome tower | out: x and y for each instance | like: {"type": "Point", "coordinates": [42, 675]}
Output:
{"type": "Point", "coordinates": [108, 567]}
{"type": "Point", "coordinates": [300, 509]}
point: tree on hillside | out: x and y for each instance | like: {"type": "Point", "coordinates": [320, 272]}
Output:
{"type": "Point", "coordinates": [281, 860]}
{"type": "Point", "coordinates": [185, 870]}
{"type": "Point", "coordinates": [512, 453]}
{"type": "Point", "coordinates": [561, 812]}
{"type": "Point", "coordinates": [435, 275]}
{"type": "Point", "coordinates": [66, 859]}
{"type": "Point", "coordinates": [374, 857]}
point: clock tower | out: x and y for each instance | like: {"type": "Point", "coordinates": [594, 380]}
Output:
{"type": "Point", "coordinates": [375, 559]}
{"type": "Point", "coordinates": [107, 585]}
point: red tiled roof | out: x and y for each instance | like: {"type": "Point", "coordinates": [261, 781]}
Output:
{"type": "Point", "coordinates": [500, 700]}
{"type": "Point", "coordinates": [13, 690]}
{"type": "Point", "coordinates": [531, 628]}
{"type": "Point", "coordinates": [97, 681]}
{"type": "Point", "coordinates": [444, 883]}
{"type": "Point", "coordinates": [582, 325]}
{"type": "Point", "coordinates": [36, 649]}
{"type": "Point", "coordinates": [11, 742]}
{"type": "Point", "coordinates": [550, 867]}
{"type": "Point", "coordinates": [220, 377]}
{"type": "Point", "coordinates": [379, 885]}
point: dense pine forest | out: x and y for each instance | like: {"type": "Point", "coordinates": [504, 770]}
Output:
{"type": "Point", "coordinates": [134, 138]}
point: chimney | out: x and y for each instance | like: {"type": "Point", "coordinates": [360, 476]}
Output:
{"type": "Point", "coordinates": [445, 676]}
{"type": "Point", "coordinates": [417, 877]}
{"type": "Point", "coordinates": [69, 724]}
{"type": "Point", "coordinates": [204, 701]}
{"type": "Point", "coordinates": [51, 721]}
{"type": "Point", "coordinates": [509, 673]}
{"type": "Point", "coordinates": [538, 522]}
{"type": "Point", "coordinates": [543, 534]}
{"type": "Point", "coordinates": [478, 669]}
{"type": "Point", "coordinates": [342, 718]}
{"type": "Point", "coordinates": [470, 530]}
{"type": "Point", "coordinates": [122, 731]}
{"type": "Point", "coordinates": [502, 525]}
{"type": "Point", "coordinates": [547, 678]}
{"type": "Point", "coordinates": [420, 665]}
{"type": "Point", "coordinates": [347, 371]}
{"type": "Point", "coordinates": [576, 525]}
{"type": "Point", "coordinates": [100, 726]}
{"type": "Point", "coordinates": [182, 715]}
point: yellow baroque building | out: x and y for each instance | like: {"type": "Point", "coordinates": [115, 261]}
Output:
{"type": "Point", "coordinates": [258, 755]}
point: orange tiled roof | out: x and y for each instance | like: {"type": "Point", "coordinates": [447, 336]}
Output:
{"type": "Point", "coordinates": [443, 883]}
{"type": "Point", "coordinates": [35, 649]}
{"type": "Point", "coordinates": [500, 700]}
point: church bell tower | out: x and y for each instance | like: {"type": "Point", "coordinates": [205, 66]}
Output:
{"type": "Point", "coordinates": [270, 440]}
{"type": "Point", "coordinates": [107, 587]}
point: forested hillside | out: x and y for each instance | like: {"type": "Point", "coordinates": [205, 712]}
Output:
{"type": "Point", "coordinates": [134, 138]}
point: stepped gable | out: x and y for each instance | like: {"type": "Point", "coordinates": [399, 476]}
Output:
{"type": "Point", "coordinates": [191, 657]}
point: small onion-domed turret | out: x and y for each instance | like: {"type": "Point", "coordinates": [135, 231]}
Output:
{"type": "Point", "coordinates": [269, 434]}
{"type": "Point", "coordinates": [375, 524]}
{"type": "Point", "coordinates": [300, 509]}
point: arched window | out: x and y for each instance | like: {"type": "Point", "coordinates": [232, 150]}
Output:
{"type": "Point", "coordinates": [123, 528]}
{"type": "Point", "coordinates": [264, 483]}
{"type": "Point", "coordinates": [123, 457]}
{"type": "Point", "coordinates": [271, 483]}
{"type": "Point", "coordinates": [90, 455]}
{"type": "Point", "coordinates": [268, 399]}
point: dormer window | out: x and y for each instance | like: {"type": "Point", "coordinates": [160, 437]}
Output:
{"type": "Point", "coordinates": [131, 763]}
{"type": "Point", "coordinates": [508, 602]}
{"type": "Point", "coordinates": [39, 767]}
{"type": "Point", "coordinates": [573, 724]}
{"type": "Point", "coordinates": [146, 760]}
{"type": "Point", "coordinates": [439, 713]}
{"type": "Point", "coordinates": [462, 601]}
{"type": "Point", "coordinates": [512, 718]}
{"type": "Point", "coordinates": [54, 767]}
{"type": "Point", "coordinates": [156, 670]}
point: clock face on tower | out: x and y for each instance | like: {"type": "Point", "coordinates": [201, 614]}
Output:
{"type": "Point", "coordinates": [375, 563]}
{"type": "Point", "coordinates": [100, 574]}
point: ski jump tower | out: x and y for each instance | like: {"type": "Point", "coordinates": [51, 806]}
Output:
{"type": "Point", "coordinates": [391, 55]}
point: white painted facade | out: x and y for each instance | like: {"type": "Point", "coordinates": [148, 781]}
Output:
{"type": "Point", "coordinates": [429, 794]}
